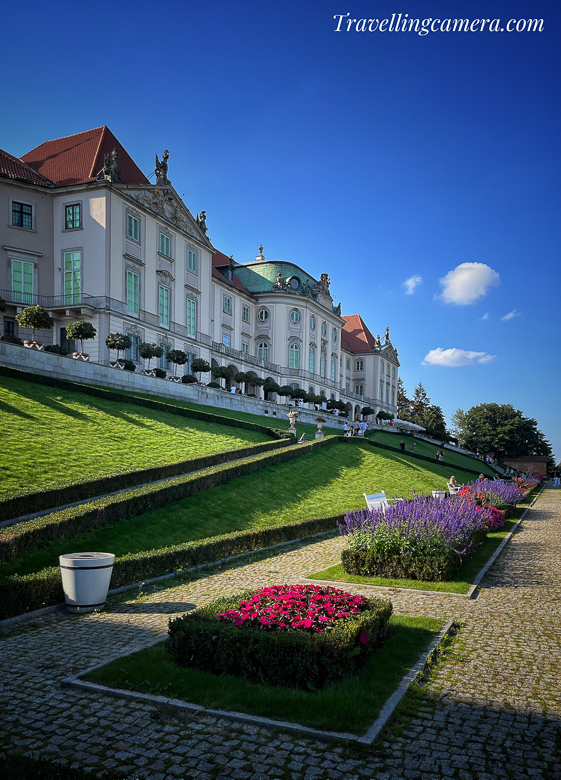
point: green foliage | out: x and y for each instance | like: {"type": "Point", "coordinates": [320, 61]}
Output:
{"type": "Point", "coordinates": [160, 373]}
{"type": "Point", "coordinates": [403, 402]}
{"type": "Point", "coordinates": [34, 591]}
{"type": "Point", "coordinates": [221, 372]}
{"type": "Point", "coordinates": [129, 365]}
{"type": "Point", "coordinates": [287, 658]}
{"type": "Point", "coordinates": [214, 384]}
{"type": "Point", "coordinates": [119, 342]}
{"type": "Point", "coordinates": [2, 304]}
{"type": "Point", "coordinates": [148, 350]}
{"type": "Point", "coordinates": [373, 564]}
{"type": "Point", "coordinates": [188, 379]}
{"type": "Point", "coordinates": [56, 349]}
{"type": "Point", "coordinates": [36, 318]}
{"type": "Point", "coordinates": [80, 331]}
{"type": "Point", "coordinates": [200, 366]}
{"type": "Point", "coordinates": [177, 357]}
{"type": "Point", "coordinates": [9, 339]}
{"type": "Point", "coordinates": [432, 420]}
{"type": "Point", "coordinates": [502, 429]}
{"type": "Point", "coordinates": [366, 411]}
{"type": "Point", "coordinates": [382, 415]}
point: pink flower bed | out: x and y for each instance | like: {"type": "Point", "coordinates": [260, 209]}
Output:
{"type": "Point", "coordinates": [311, 608]}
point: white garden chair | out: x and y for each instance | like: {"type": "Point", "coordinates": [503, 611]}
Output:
{"type": "Point", "coordinates": [376, 501]}
{"type": "Point", "coordinates": [440, 494]}
{"type": "Point", "coordinates": [452, 489]}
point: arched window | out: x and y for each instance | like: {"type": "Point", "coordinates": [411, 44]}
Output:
{"type": "Point", "coordinates": [294, 361]}
{"type": "Point", "coordinates": [323, 328]}
{"type": "Point", "coordinates": [333, 367]}
{"type": "Point", "coordinates": [263, 350]}
{"type": "Point", "coordinates": [322, 365]}
{"type": "Point", "coordinates": [312, 322]}
{"type": "Point", "coordinates": [312, 364]}
{"type": "Point", "coordinates": [334, 335]}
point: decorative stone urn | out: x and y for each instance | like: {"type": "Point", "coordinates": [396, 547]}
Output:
{"type": "Point", "coordinates": [319, 433]}
{"type": "Point", "coordinates": [292, 416]}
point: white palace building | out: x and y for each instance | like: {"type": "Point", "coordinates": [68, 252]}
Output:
{"type": "Point", "coordinates": [87, 236]}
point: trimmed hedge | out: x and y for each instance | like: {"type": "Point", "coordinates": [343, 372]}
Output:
{"type": "Point", "coordinates": [408, 567]}
{"type": "Point", "coordinates": [28, 502]}
{"type": "Point", "coordinates": [19, 595]}
{"type": "Point", "coordinates": [113, 395]}
{"type": "Point", "coordinates": [14, 540]}
{"type": "Point", "coordinates": [293, 659]}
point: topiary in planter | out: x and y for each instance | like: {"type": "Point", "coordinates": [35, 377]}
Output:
{"type": "Point", "coordinates": [189, 379]}
{"type": "Point", "coordinates": [160, 373]}
{"type": "Point", "coordinates": [214, 384]}
{"type": "Point", "coordinates": [36, 318]}
{"type": "Point", "coordinates": [296, 636]}
{"type": "Point", "coordinates": [128, 365]}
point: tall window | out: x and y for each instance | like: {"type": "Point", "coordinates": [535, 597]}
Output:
{"type": "Point", "coordinates": [133, 286]}
{"type": "Point", "coordinates": [359, 365]}
{"type": "Point", "coordinates": [348, 364]}
{"type": "Point", "coordinates": [164, 358]}
{"type": "Point", "coordinates": [165, 245]}
{"type": "Point", "coordinates": [226, 339]}
{"type": "Point", "coordinates": [263, 350]}
{"type": "Point", "coordinates": [227, 305]}
{"type": "Point", "coordinates": [192, 261]}
{"type": "Point", "coordinates": [333, 368]}
{"type": "Point", "coordinates": [132, 353]}
{"type": "Point", "coordinates": [387, 369]}
{"type": "Point", "coordinates": [245, 348]}
{"type": "Point", "coordinates": [322, 365]}
{"type": "Point", "coordinates": [323, 328]}
{"type": "Point", "coordinates": [22, 281]}
{"type": "Point", "coordinates": [312, 322]}
{"type": "Point", "coordinates": [294, 356]}
{"type": "Point", "coordinates": [72, 277]}
{"type": "Point", "coordinates": [334, 335]}
{"type": "Point", "coordinates": [22, 215]}
{"type": "Point", "coordinates": [387, 395]}
{"type": "Point", "coordinates": [382, 367]}
{"type": "Point", "coordinates": [312, 365]}
{"type": "Point", "coordinates": [381, 391]}
{"type": "Point", "coordinates": [393, 397]}
{"type": "Point", "coordinates": [245, 314]}
{"type": "Point", "coordinates": [133, 227]}
{"type": "Point", "coordinates": [358, 389]}
{"type": "Point", "coordinates": [72, 216]}
{"type": "Point", "coordinates": [191, 317]}
{"type": "Point", "coordinates": [164, 306]}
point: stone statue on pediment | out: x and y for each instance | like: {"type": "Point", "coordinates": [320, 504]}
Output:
{"type": "Point", "coordinates": [201, 221]}
{"type": "Point", "coordinates": [279, 282]}
{"type": "Point", "coordinates": [377, 342]}
{"type": "Point", "coordinates": [162, 168]}
{"type": "Point", "coordinates": [307, 289]}
{"type": "Point", "coordinates": [323, 284]}
{"type": "Point", "coordinates": [111, 170]}
{"type": "Point", "coordinates": [387, 335]}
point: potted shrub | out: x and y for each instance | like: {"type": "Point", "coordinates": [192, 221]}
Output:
{"type": "Point", "coordinates": [36, 318]}
{"type": "Point", "coordinates": [80, 331]}
{"type": "Point", "coordinates": [200, 366]}
{"type": "Point", "coordinates": [216, 385]}
{"type": "Point", "coordinates": [178, 358]}
{"type": "Point", "coordinates": [119, 342]}
{"type": "Point", "coordinates": [220, 372]}
{"type": "Point", "coordinates": [56, 349]}
{"type": "Point", "coordinates": [189, 379]}
{"type": "Point", "coordinates": [147, 351]}
{"type": "Point", "coordinates": [9, 339]}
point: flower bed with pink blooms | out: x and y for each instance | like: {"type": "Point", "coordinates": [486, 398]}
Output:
{"type": "Point", "coordinates": [297, 636]}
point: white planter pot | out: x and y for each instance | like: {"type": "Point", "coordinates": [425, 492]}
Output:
{"type": "Point", "coordinates": [85, 579]}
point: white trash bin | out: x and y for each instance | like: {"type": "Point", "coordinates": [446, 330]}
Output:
{"type": "Point", "coordinates": [85, 579]}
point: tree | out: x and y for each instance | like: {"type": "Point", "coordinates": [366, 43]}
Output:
{"type": "Point", "coordinates": [241, 377]}
{"type": "Point", "coordinates": [458, 421]}
{"type": "Point", "coordinates": [147, 351]}
{"type": "Point", "coordinates": [36, 318]}
{"type": "Point", "coordinates": [118, 341]}
{"type": "Point", "coordinates": [403, 403]}
{"type": "Point", "coordinates": [271, 387]}
{"type": "Point", "coordinates": [420, 401]}
{"type": "Point", "coordinates": [286, 390]}
{"type": "Point", "coordinates": [80, 331]}
{"type": "Point", "coordinates": [502, 429]}
{"type": "Point", "coordinates": [221, 372]}
{"type": "Point", "coordinates": [367, 411]}
{"type": "Point", "coordinates": [178, 358]}
{"type": "Point", "coordinates": [200, 366]}
{"type": "Point", "coordinates": [432, 420]}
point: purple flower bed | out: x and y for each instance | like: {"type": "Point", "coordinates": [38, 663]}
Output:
{"type": "Point", "coordinates": [424, 538]}
{"type": "Point", "coordinates": [498, 494]}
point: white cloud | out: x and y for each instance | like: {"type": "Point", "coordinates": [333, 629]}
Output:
{"type": "Point", "coordinates": [485, 316]}
{"type": "Point", "coordinates": [468, 282]}
{"type": "Point", "coordinates": [411, 283]}
{"type": "Point", "coordinates": [511, 315]}
{"type": "Point", "coordinates": [456, 357]}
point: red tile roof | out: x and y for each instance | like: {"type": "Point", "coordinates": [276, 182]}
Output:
{"type": "Point", "coordinates": [79, 158]}
{"type": "Point", "coordinates": [220, 260]}
{"type": "Point", "coordinates": [355, 336]}
{"type": "Point", "coordinates": [13, 168]}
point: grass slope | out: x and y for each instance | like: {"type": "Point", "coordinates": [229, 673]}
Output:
{"type": "Point", "coordinates": [350, 706]}
{"type": "Point", "coordinates": [56, 435]}
{"type": "Point", "coordinates": [327, 482]}
{"type": "Point", "coordinates": [452, 460]}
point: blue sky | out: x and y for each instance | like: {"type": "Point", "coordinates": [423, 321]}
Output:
{"type": "Point", "coordinates": [379, 157]}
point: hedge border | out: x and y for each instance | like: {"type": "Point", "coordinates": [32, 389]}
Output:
{"type": "Point", "coordinates": [21, 594]}
{"type": "Point", "coordinates": [29, 502]}
{"type": "Point", "coordinates": [15, 539]}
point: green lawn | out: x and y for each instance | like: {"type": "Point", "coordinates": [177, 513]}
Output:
{"type": "Point", "coordinates": [453, 460]}
{"type": "Point", "coordinates": [350, 706]}
{"type": "Point", "coordinates": [55, 435]}
{"type": "Point", "coordinates": [326, 482]}
{"type": "Point", "coordinates": [460, 581]}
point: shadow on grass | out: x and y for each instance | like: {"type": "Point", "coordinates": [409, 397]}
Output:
{"type": "Point", "coordinates": [9, 409]}
{"type": "Point", "coordinates": [349, 706]}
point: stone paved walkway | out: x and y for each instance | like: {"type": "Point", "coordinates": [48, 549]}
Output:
{"type": "Point", "coordinates": [494, 711]}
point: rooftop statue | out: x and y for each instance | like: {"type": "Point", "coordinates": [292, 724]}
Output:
{"type": "Point", "coordinates": [111, 170]}
{"type": "Point", "coordinates": [162, 168]}
{"type": "Point", "coordinates": [201, 221]}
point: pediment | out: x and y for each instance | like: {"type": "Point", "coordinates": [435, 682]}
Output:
{"type": "Point", "coordinates": [165, 203]}
{"type": "Point", "coordinates": [390, 353]}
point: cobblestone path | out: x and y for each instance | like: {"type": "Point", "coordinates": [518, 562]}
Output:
{"type": "Point", "coordinates": [494, 708]}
